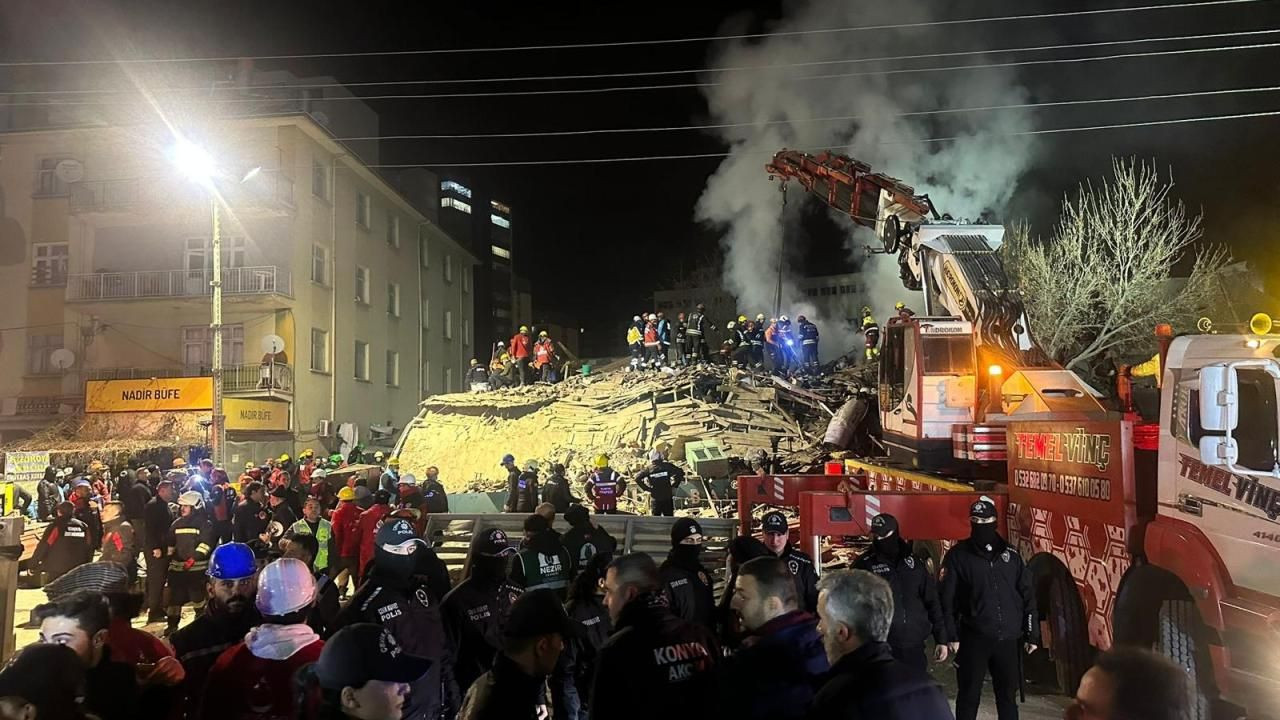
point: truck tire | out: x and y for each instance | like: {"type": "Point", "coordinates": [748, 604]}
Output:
{"type": "Point", "coordinates": [1180, 640]}
{"type": "Point", "coordinates": [1072, 654]}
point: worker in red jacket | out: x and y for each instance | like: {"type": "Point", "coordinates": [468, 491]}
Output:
{"type": "Point", "coordinates": [520, 350]}
{"type": "Point", "coordinates": [346, 538]}
{"type": "Point", "coordinates": [544, 358]}
{"type": "Point", "coordinates": [367, 529]}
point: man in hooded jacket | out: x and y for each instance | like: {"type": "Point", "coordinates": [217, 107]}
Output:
{"type": "Point", "coordinates": [475, 612]}
{"type": "Point", "coordinates": [686, 582]}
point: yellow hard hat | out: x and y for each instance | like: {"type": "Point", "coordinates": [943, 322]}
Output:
{"type": "Point", "coordinates": [742, 318]}
{"type": "Point", "coordinates": [602, 461]}
{"type": "Point", "coordinates": [394, 462]}
{"type": "Point", "coordinates": [542, 334]}
{"type": "Point", "coordinates": [899, 305]}
{"type": "Point", "coordinates": [284, 457]}
{"type": "Point", "coordinates": [249, 465]}
{"type": "Point", "coordinates": [524, 328]}
{"type": "Point", "coordinates": [346, 493]}
{"type": "Point", "coordinates": [308, 453]}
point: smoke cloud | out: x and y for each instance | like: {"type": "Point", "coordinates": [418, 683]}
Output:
{"type": "Point", "coordinates": [970, 176]}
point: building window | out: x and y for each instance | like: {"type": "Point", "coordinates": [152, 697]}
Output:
{"type": "Point", "coordinates": [39, 350]}
{"type": "Point", "coordinates": [362, 285]}
{"type": "Point", "coordinates": [319, 179]}
{"type": "Point", "coordinates": [426, 377]}
{"type": "Point", "coordinates": [500, 207]}
{"type": "Point", "coordinates": [453, 187]}
{"type": "Point", "coordinates": [319, 350]}
{"type": "Point", "coordinates": [393, 229]}
{"type": "Point", "coordinates": [466, 278]}
{"type": "Point", "coordinates": [501, 252]}
{"type": "Point", "coordinates": [448, 324]}
{"type": "Point", "coordinates": [49, 264]}
{"type": "Point", "coordinates": [448, 268]}
{"type": "Point", "coordinates": [393, 368]}
{"type": "Point", "coordinates": [362, 360]}
{"type": "Point", "coordinates": [320, 265]}
{"type": "Point", "coordinates": [499, 220]}
{"type": "Point", "coordinates": [197, 345]}
{"type": "Point", "coordinates": [448, 380]}
{"type": "Point", "coordinates": [47, 180]}
{"type": "Point", "coordinates": [466, 332]}
{"type": "Point", "coordinates": [456, 204]}
{"type": "Point", "coordinates": [362, 210]}
{"type": "Point", "coordinates": [423, 246]}
{"type": "Point", "coordinates": [393, 299]}
{"type": "Point", "coordinates": [426, 314]}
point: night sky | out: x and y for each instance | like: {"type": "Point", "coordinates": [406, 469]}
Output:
{"type": "Point", "coordinates": [596, 240]}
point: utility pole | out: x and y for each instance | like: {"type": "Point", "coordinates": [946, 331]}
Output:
{"type": "Point", "coordinates": [219, 421]}
{"type": "Point", "coordinates": [782, 246]}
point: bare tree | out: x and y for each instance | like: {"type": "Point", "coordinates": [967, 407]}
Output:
{"type": "Point", "coordinates": [1105, 278]}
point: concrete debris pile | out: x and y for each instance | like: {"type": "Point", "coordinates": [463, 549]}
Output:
{"type": "Point", "coordinates": [623, 415]}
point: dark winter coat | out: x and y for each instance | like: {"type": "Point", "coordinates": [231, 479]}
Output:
{"type": "Point", "coordinates": [660, 479]}
{"type": "Point", "coordinates": [582, 653]}
{"type": "Point", "coordinates": [987, 593]}
{"type": "Point", "coordinates": [47, 499]}
{"type": "Point", "coordinates": [475, 612]}
{"type": "Point", "coordinates": [805, 576]}
{"type": "Point", "coordinates": [917, 612]}
{"type": "Point", "coordinates": [159, 516]}
{"type": "Point", "coordinates": [688, 587]}
{"type": "Point", "coordinates": [775, 677]}
{"type": "Point", "coordinates": [869, 684]}
{"type": "Point", "coordinates": [198, 644]}
{"type": "Point", "coordinates": [63, 547]}
{"type": "Point", "coordinates": [584, 543]}
{"type": "Point", "coordinates": [505, 692]}
{"type": "Point", "coordinates": [557, 492]}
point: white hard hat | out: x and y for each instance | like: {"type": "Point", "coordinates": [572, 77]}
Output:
{"type": "Point", "coordinates": [635, 319]}
{"type": "Point", "coordinates": [730, 325]}
{"type": "Point", "coordinates": [784, 318]}
{"type": "Point", "coordinates": [285, 586]}
{"type": "Point", "coordinates": [652, 316]}
{"type": "Point", "coordinates": [192, 498]}
{"type": "Point", "coordinates": [655, 455]}
{"type": "Point", "coordinates": [408, 479]}
{"type": "Point", "coordinates": [531, 465]}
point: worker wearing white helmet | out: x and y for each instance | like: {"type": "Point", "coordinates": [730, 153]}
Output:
{"type": "Point", "coordinates": [190, 541]}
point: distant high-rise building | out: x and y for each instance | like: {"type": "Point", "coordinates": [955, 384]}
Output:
{"type": "Point", "coordinates": [484, 223]}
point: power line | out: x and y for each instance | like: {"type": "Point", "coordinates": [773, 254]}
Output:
{"type": "Point", "coordinates": [695, 156]}
{"type": "Point", "coordinates": [679, 86]}
{"type": "Point", "coordinates": [651, 73]}
{"type": "Point", "coordinates": [833, 118]}
{"type": "Point", "coordinates": [639, 43]}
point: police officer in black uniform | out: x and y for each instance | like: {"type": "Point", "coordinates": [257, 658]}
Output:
{"type": "Point", "coordinates": [777, 538]}
{"type": "Point", "coordinates": [990, 613]}
{"type": "Point", "coordinates": [655, 665]}
{"type": "Point", "coordinates": [660, 480]}
{"type": "Point", "coordinates": [434, 497]}
{"type": "Point", "coordinates": [475, 611]}
{"type": "Point", "coordinates": [917, 611]}
{"type": "Point", "coordinates": [684, 579]}
{"type": "Point", "coordinates": [399, 600]}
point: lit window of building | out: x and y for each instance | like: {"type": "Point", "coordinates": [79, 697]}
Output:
{"type": "Point", "coordinates": [500, 252]}
{"type": "Point", "coordinates": [456, 204]}
{"type": "Point", "coordinates": [453, 187]}
{"type": "Point", "coordinates": [505, 210]}
{"type": "Point", "coordinates": [499, 220]}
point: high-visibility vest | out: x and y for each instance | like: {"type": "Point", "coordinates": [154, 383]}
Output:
{"type": "Point", "coordinates": [542, 570]}
{"type": "Point", "coordinates": [324, 531]}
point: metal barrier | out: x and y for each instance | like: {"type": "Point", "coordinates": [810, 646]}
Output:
{"type": "Point", "coordinates": [450, 535]}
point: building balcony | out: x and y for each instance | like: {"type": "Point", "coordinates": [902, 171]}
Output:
{"type": "Point", "coordinates": [260, 280]}
{"type": "Point", "coordinates": [270, 190]}
{"type": "Point", "coordinates": [259, 380]}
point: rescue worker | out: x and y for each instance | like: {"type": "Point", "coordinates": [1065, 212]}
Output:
{"type": "Point", "coordinates": [686, 582]}
{"type": "Point", "coordinates": [917, 611]}
{"type": "Point", "coordinates": [399, 600]}
{"type": "Point", "coordinates": [86, 509]}
{"type": "Point", "coordinates": [785, 338]}
{"type": "Point", "coordinates": [771, 344]}
{"type": "Point", "coordinates": [681, 340]}
{"type": "Point", "coordinates": [652, 344]}
{"type": "Point", "coordinates": [282, 516]}
{"type": "Point", "coordinates": [190, 541]}
{"type": "Point", "coordinates": [544, 357]}
{"type": "Point", "coordinates": [155, 543]}
{"type": "Point", "coordinates": [434, 497]}
{"type": "Point", "coordinates": [477, 377]}
{"type": "Point", "coordinates": [221, 504]}
{"type": "Point", "coordinates": [990, 614]}
{"type": "Point", "coordinates": [604, 486]}
{"type": "Point", "coordinates": [660, 480]}
{"type": "Point", "coordinates": [408, 494]}
{"type": "Point", "coordinates": [904, 312]}
{"type": "Point", "coordinates": [475, 611]}
{"type": "Point", "coordinates": [556, 490]}
{"type": "Point", "coordinates": [544, 562]}
{"type": "Point", "coordinates": [585, 539]}
{"type": "Point", "coordinates": [696, 333]}
{"type": "Point", "coordinates": [777, 537]}
{"type": "Point", "coordinates": [738, 344]}
{"type": "Point", "coordinates": [655, 665]}
{"type": "Point", "coordinates": [390, 476]}
{"type": "Point", "coordinates": [774, 677]}
{"type": "Point", "coordinates": [119, 541]}
{"type": "Point", "coordinates": [808, 342]}
{"type": "Point", "coordinates": [522, 487]}
{"type": "Point", "coordinates": [319, 528]}
{"type": "Point", "coordinates": [246, 680]}
{"type": "Point", "coordinates": [533, 642]}
{"type": "Point", "coordinates": [635, 343]}
{"type": "Point", "coordinates": [346, 539]}
{"type": "Point", "coordinates": [871, 331]}
{"type": "Point", "coordinates": [367, 528]}
{"type": "Point", "coordinates": [250, 520]}
{"type": "Point", "coordinates": [664, 339]}
{"type": "Point", "coordinates": [229, 613]}
{"type": "Point", "coordinates": [322, 616]}
{"type": "Point", "coordinates": [64, 545]}
{"type": "Point", "coordinates": [520, 351]}
{"type": "Point", "coordinates": [755, 334]}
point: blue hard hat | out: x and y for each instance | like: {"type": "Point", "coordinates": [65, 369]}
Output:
{"type": "Point", "coordinates": [508, 458]}
{"type": "Point", "coordinates": [232, 561]}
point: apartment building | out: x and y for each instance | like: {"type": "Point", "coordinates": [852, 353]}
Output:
{"type": "Point", "coordinates": [105, 252]}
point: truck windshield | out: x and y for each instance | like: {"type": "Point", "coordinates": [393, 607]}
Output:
{"type": "Point", "coordinates": [948, 354]}
{"type": "Point", "coordinates": [1256, 433]}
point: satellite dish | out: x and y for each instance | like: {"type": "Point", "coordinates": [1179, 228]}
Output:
{"type": "Point", "coordinates": [69, 171]}
{"type": "Point", "coordinates": [272, 344]}
{"type": "Point", "coordinates": [62, 358]}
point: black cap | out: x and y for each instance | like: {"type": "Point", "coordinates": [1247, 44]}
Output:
{"type": "Point", "coordinates": [576, 515]}
{"type": "Point", "coordinates": [49, 676]}
{"type": "Point", "coordinates": [884, 526]}
{"type": "Point", "coordinates": [538, 612]}
{"type": "Point", "coordinates": [281, 491]}
{"type": "Point", "coordinates": [381, 497]}
{"type": "Point", "coordinates": [394, 537]}
{"type": "Point", "coordinates": [362, 652]}
{"type": "Point", "coordinates": [686, 531]}
{"type": "Point", "coordinates": [774, 522]}
{"type": "Point", "coordinates": [493, 543]}
{"type": "Point", "coordinates": [982, 511]}
{"type": "Point", "coordinates": [536, 523]}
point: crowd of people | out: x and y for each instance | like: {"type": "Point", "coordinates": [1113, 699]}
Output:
{"type": "Point", "coordinates": [314, 603]}
{"type": "Point", "coordinates": [520, 361]}
{"type": "Point", "coordinates": [656, 342]}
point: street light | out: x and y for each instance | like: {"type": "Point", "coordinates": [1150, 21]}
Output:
{"type": "Point", "coordinates": [198, 165]}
